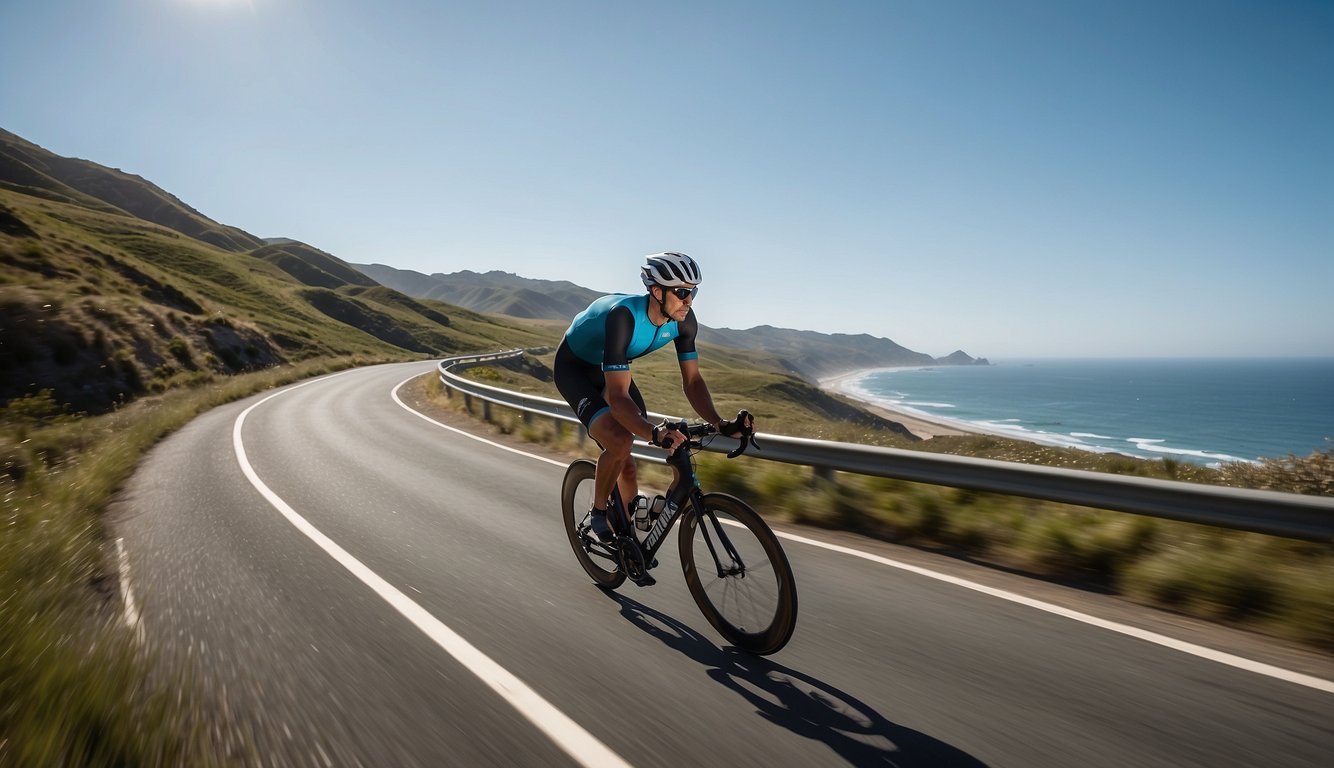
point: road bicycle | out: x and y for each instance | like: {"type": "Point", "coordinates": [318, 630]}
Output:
{"type": "Point", "coordinates": [733, 564]}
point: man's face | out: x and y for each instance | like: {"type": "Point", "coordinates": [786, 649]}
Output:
{"type": "Point", "coordinates": [677, 301]}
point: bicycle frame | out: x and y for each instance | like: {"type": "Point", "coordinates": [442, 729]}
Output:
{"type": "Point", "coordinates": [687, 490]}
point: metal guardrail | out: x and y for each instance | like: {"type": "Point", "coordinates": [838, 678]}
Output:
{"type": "Point", "coordinates": [1280, 514]}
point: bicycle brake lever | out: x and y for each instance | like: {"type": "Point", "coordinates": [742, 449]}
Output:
{"type": "Point", "coordinates": [740, 449]}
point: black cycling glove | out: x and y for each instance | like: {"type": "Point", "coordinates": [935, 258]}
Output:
{"type": "Point", "coordinates": [743, 424]}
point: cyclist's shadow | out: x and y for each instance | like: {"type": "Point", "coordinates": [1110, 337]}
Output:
{"type": "Point", "coordinates": [802, 704]}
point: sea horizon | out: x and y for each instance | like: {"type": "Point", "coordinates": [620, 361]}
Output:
{"type": "Point", "coordinates": [1206, 409]}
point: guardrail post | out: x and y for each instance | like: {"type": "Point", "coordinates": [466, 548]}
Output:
{"type": "Point", "coordinates": [467, 402]}
{"type": "Point", "coordinates": [486, 410]}
{"type": "Point", "coordinates": [819, 474]}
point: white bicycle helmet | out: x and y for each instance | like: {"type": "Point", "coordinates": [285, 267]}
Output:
{"type": "Point", "coordinates": [669, 269]}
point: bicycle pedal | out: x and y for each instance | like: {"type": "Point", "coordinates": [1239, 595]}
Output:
{"type": "Point", "coordinates": [645, 581]}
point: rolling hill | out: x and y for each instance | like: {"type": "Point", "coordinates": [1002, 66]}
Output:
{"type": "Point", "coordinates": [113, 288]}
{"type": "Point", "coordinates": [807, 354]}
{"type": "Point", "coordinates": [496, 292]}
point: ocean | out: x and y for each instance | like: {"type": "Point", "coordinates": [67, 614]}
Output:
{"type": "Point", "coordinates": [1206, 411]}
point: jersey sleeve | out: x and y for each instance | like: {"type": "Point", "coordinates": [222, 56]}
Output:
{"type": "Point", "coordinates": [616, 348]}
{"type": "Point", "coordinates": [685, 338]}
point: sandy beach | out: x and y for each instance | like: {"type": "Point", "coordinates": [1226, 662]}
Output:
{"type": "Point", "coordinates": [922, 426]}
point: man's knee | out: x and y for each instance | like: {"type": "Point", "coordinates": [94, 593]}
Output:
{"type": "Point", "coordinates": [614, 439]}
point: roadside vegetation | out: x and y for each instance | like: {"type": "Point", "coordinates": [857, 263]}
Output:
{"type": "Point", "coordinates": [1274, 585]}
{"type": "Point", "coordinates": [76, 688]}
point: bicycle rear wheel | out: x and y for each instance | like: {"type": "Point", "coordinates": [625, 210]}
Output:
{"type": "Point", "coordinates": [747, 591]}
{"type": "Point", "coordinates": [576, 498]}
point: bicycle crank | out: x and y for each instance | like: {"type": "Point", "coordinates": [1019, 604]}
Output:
{"type": "Point", "coordinates": [631, 559]}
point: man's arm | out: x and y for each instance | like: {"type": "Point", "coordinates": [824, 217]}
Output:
{"type": "Point", "coordinates": [623, 407]}
{"type": "Point", "coordinates": [692, 383]}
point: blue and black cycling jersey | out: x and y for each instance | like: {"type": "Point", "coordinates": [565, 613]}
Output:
{"type": "Point", "coordinates": [615, 329]}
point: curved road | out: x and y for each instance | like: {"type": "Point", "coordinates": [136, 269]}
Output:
{"type": "Point", "coordinates": [360, 585]}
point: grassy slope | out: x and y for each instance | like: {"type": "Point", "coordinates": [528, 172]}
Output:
{"type": "Point", "coordinates": [102, 308]}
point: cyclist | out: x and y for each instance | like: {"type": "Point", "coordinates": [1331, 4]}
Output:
{"type": "Point", "coordinates": [593, 372]}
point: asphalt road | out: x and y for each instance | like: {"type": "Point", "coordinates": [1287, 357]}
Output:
{"type": "Point", "coordinates": [383, 591]}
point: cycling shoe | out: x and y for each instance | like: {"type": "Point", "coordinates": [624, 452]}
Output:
{"type": "Point", "coordinates": [597, 521]}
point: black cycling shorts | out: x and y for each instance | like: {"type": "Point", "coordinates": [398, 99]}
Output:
{"type": "Point", "coordinates": [582, 385]}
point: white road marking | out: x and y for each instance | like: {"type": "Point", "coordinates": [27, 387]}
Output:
{"type": "Point", "coordinates": [580, 745]}
{"type": "Point", "coordinates": [133, 620]}
{"type": "Point", "coordinates": [1143, 634]}
{"type": "Point", "coordinates": [457, 431]}
{"type": "Point", "coordinates": [1200, 651]}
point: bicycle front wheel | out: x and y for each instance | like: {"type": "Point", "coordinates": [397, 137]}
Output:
{"type": "Point", "coordinates": [738, 574]}
{"type": "Point", "coordinates": [576, 498]}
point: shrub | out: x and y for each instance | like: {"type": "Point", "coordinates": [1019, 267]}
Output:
{"type": "Point", "coordinates": [774, 483]}
{"type": "Point", "coordinates": [920, 515]}
{"type": "Point", "coordinates": [1052, 545]}
{"type": "Point", "coordinates": [1307, 606]}
{"type": "Point", "coordinates": [723, 475]}
{"type": "Point", "coordinates": [33, 408]}
{"type": "Point", "coordinates": [180, 350]}
{"type": "Point", "coordinates": [1313, 474]}
{"type": "Point", "coordinates": [813, 506]}
{"type": "Point", "coordinates": [1229, 585]}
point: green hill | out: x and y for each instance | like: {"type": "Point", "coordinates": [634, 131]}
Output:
{"type": "Point", "coordinates": [111, 289]}
{"type": "Point", "coordinates": [29, 169]}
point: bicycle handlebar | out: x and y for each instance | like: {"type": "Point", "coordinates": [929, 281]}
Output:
{"type": "Point", "coordinates": [694, 432]}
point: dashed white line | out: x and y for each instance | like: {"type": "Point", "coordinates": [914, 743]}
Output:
{"type": "Point", "coordinates": [131, 616]}
{"type": "Point", "coordinates": [579, 744]}
{"type": "Point", "coordinates": [1200, 651]}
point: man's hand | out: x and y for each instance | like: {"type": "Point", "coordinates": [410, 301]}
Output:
{"type": "Point", "coordinates": [743, 424]}
{"type": "Point", "coordinates": [666, 435]}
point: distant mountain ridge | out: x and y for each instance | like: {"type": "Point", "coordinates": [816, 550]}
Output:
{"type": "Point", "coordinates": [808, 354]}
{"type": "Point", "coordinates": [501, 293]}
{"type": "Point", "coordinates": [814, 355]}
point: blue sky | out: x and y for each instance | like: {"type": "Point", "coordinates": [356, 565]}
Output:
{"type": "Point", "coordinates": [1015, 179]}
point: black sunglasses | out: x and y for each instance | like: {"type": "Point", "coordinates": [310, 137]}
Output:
{"type": "Point", "coordinates": [683, 293]}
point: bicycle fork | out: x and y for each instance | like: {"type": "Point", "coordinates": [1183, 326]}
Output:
{"type": "Point", "coordinates": [738, 566]}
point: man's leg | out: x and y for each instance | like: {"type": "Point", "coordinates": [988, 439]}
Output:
{"type": "Point", "coordinates": [615, 465]}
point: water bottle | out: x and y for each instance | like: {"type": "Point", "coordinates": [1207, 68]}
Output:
{"type": "Point", "coordinates": [656, 508]}
{"type": "Point", "coordinates": [641, 513]}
